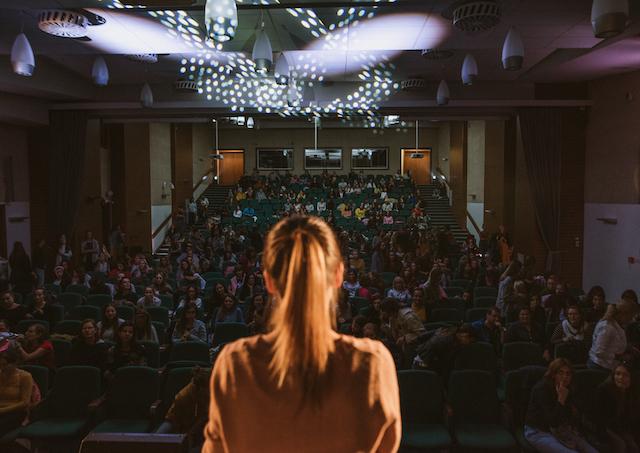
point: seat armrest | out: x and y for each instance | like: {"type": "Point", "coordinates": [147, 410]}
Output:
{"type": "Point", "coordinates": [154, 408]}
{"type": "Point", "coordinates": [96, 404]}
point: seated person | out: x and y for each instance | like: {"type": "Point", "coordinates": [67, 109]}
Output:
{"type": "Point", "coordinates": [108, 327]}
{"type": "Point", "coordinates": [41, 307]}
{"type": "Point", "coordinates": [617, 417]}
{"type": "Point", "coordinates": [189, 412]}
{"type": "Point", "coordinates": [229, 311]}
{"type": "Point", "coordinates": [188, 327]}
{"type": "Point", "coordinates": [143, 328]}
{"type": "Point", "coordinates": [125, 295]}
{"type": "Point", "coordinates": [10, 311]}
{"type": "Point", "coordinates": [149, 299]}
{"type": "Point", "coordinates": [258, 314]}
{"type": "Point", "coordinates": [552, 419]}
{"type": "Point", "coordinates": [35, 348]}
{"type": "Point", "coordinates": [126, 351]}
{"type": "Point", "coordinates": [399, 291]}
{"type": "Point", "coordinates": [571, 329]}
{"type": "Point", "coordinates": [418, 305]}
{"type": "Point", "coordinates": [402, 328]}
{"type": "Point", "coordinates": [439, 352]}
{"type": "Point", "coordinates": [16, 388]}
{"type": "Point", "coordinates": [525, 329]}
{"type": "Point", "coordinates": [87, 349]}
{"type": "Point", "coordinates": [489, 329]}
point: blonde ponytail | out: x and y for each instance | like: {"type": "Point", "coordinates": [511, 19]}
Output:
{"type": "Point", "coordinates": [302, 257]}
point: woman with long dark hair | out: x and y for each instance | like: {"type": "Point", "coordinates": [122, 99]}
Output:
{"type": "Point", "coordinates": [188, 327]}
{"type": "Point", "coordinates": [35, 348]}
{"type": "Point", "coordinates": [303, 384]}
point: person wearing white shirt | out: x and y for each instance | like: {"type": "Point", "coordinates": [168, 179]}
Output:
{"type": "Point", "coordinates": [609, 336]}
{"type": "Point", "coordinates": [149, 299]}
{"type": "Point", "coordinates": [321, 206]}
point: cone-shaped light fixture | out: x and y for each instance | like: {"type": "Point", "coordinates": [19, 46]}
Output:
{"type": "Point", "coordinates": [22, 58]}
{"type": "Point", "coordinates": [100, 72]}
{"type": "Point", "coordinates": [512, 51]}
{"type": "Point", "coordinates": [146, 96]}
{"type": "Point", "coordinates": [250, 123]}
{"type": "Point", "coordinates": [221, 19]}
{"type": "Point", "coordinates": [469, 70]}
{"type": "Point", "coordinates": [442, 97]}
{"type": "Point", "coordinates": [609, 17]}
{"type": "Point", "coordinates": [262, 54]}
{"type": "Point", "coordinates": [282, 70]}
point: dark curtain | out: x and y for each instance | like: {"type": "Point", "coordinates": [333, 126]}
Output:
{"type": "Point", "coordinates": [67, 135]}
{"type": "Point", "coordinates": [541, 130]}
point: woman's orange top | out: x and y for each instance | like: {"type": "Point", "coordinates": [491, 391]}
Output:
{"type": "Point", "coordinates": [249, 413]}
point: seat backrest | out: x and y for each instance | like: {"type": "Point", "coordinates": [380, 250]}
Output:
{"type": "Point", "coordinates": [78, 289]}
{"type": "Point", "coordinates": [74, 387]}
{"type": "Point", "coordinates": [132, 391]}
{"type": "Point", "coordinates": [40, 375]}
{"type": "Point", "coordinates": [69, 300]}
{"type": "Point", "coordinates": [517, 387]}
{"type": "Point", "coordinates": [99, 300]}
{"type": "Point", "coordinates": [61, 349]}
{"type": "Point", "coordinates": [69, 327]}
{"type": "Point", "coordinates": [473, 398]}
{"type": "Point", "coordinates": [159, 314]}
{"type": "Point", "coordinates": [82, 312]}
{"type": "Point", "coordinates": [452, 302]}
{"type": "Point", "coordinates": [194, 351]}
{"type": "Point", "coordinates": [227, 332]}
{"type": "Point", "coordinates": [476, 356]}
{"type": "Point", "coordinates": [521, 353]}
{"type": "Point", "coordinates": [485, 291]}
{"type": "Point", "coordinates": [454, 291]}
{"type": "Point", "coordinates": [23, 325]}
{"type": "Point", "coordinates": [474, 314]}
{"type": "Point", "coordinates": [585, 383]}
{"type": "Point", "coordinates": [166, 301]}
{"type": "Point", "coordinates": [421, 397]}
{"type": "Point", "coordinates": [125, 312]}
{"type": "Point", "coordinates": [446, 315]}
{"type": "Point", "coordinates": [461, 283]}
{"type": "Point", "coordinates": [152, 351]}
{"type": "Point", "coordinates": [574, 351]}
{"type": "Point", "coordinates": [484, 302]}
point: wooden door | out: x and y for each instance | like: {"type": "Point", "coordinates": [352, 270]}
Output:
{"type": "Point", "coordinates": [231, 167]}
{"type": "Point", "coordinates": [420, 168]}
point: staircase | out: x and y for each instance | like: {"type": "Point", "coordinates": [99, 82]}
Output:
{"type": "Point", "coordinates": [440, 212]}
{"type": "Point", "coordinates": [217, 196]}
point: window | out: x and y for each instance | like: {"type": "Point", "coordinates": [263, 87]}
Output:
{"type": "Point", "coordinates": [323, 158]}
{"type": "Point", "coordinates": [275, 158]}
{"type": "Point", "coordinates": [370, 158]}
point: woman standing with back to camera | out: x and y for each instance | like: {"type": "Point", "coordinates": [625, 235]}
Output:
{"type": "Point", "coordinates": [303, 387]}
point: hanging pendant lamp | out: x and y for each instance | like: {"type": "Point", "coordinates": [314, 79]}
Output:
{"type": "Point", "coordinates": [250, 123]}
{"type": "Point", "coordinates": [100, 72]}
{"type": "Point", "coordinates": [443, 95]}
{"type": "Point", "coordinates": [512, 51]}
{"type": "Point", "coordinates": [146, 96]}
{"type": "Point", "coordinates": [221, 19]}
{"type": "Point", "coordinates": [262, 54]}
{"type": "Point", "coordinates": [609, 17]}
{"type": "Point", "coordinates": [469, 70]}
{"type": "Point", "coordinates": [22, 59]}
{"type": "Point", "coordinates": [282, 70]}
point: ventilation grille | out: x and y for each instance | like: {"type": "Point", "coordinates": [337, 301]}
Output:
{"type": "Point", "coordinates": [437, 54]}
{"type": "Point", "coordinates": [412, 84]}
{"type": "Point", "coordinates": [144, 57]}
{"type": "Point", "coordinates": [65, 24]}
{"type": "Point", "coordinates": [476, 15]}
{"type": "Point", "coordinates": [186, 85]}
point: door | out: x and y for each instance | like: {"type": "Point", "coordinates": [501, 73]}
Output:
{"type": "Point", "coordinates": [420, 168]}
{"type": "Point", "coordinates": [230, 167]}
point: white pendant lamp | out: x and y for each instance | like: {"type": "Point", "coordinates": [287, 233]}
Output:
{"type": "Point", "coordinates": [469, 70]}
{"type": "Point", "coordinates": [262, 54]}
{"type": "Point", "coordinates": [609, 17]}
{"type": "Point", "coordinates": [512, 51]}
{"type": "Point", "coordinates": [100, 72]}
{"type": "Point", "coordinates": [146, 96]}
{"type": "Point", "coordinates": [221, 19]}
{"type": "Point", "coordinates": [250, 123]}
{"type": "Point", "coordinates": [22, 59]}
{"type": "Point", "coordinates": [443, 95]}
{"type": "Point", "coordinates": [282, 70]}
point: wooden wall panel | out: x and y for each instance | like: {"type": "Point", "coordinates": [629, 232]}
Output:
{"type": "Point", "coordinates": [458, 170]}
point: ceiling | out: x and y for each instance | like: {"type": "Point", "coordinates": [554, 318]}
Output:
{"type": "Point", "coordinates": [559, 47]}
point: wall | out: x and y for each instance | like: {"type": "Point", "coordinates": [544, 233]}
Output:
{"type": "Point", "coordinates": [612, 185]}
{"type": "Point", "coordinates": [458, 169]}
{"type": "Point", "coordinates": [442, 154]}
{"type": "Point", "coordinates": [182, 163]}
{"type": "Point", "coordinates": [475, 175]}
{"type": "Point", "coordinates": [138, 186]}
{"type": "Point", "coordinates": [90, 207]}
{"type": "Point", "coordinates": [347, 138]}
{"type": "Point", "coordinates": [13, 145]}
{"type": "Point", "coordinates": [203, 145]}
{"type": "Point", "coordinates": [160, 178]}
